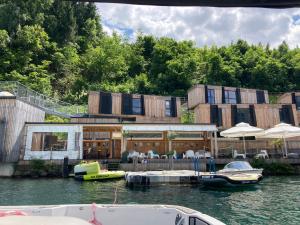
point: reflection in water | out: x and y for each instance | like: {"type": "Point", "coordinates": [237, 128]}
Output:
{"type": "Point", "coordinates": [275, 201]}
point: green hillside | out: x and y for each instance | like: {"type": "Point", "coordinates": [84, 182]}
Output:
{"type": "Point", "coordinates": [59, 48]}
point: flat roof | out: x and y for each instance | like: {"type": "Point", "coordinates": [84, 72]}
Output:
{"type": "Point", "coordinates": [142, 126]}
{"type": "Point", "coordinates": [169, 127]}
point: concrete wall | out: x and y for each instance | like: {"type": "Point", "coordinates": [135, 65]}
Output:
{"type": "Point", "coordinates": [71, 152]}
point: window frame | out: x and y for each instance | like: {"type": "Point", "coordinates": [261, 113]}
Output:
{"type": "Point", "coordinates": [297, 103]}
{"type": "Point", "coordinates": [228, 98]}
{"type": "Point", "coordinates": [44, 144]}
{"type": "Point", "coordinates": [243, 111]}
{"type": "Point", "coordinates": [211, 96]}
{"type": "Point", "coordinates": [201, 136]}
{"type": "Point", "coordinates": [145, 138]}
{"type": "Point", "coordinates": [168, 110]}
{"type": "Point", "coordinates": [139, 108]}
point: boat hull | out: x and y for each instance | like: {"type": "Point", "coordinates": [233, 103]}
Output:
{"type": "Point", "coordinates": [236, 180]}
{"type": "Point", "coordinates": [106, 214]}
{"type": "Point", "coordinates": [106, 175]}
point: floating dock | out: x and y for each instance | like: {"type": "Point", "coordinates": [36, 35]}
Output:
{"type": "Point", "coordinates": [158, 177]}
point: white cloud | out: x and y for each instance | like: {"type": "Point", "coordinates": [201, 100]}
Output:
{"type": "Point", "coordinates": [205, 26]}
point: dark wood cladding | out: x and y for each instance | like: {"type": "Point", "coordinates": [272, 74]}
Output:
{"type": "Point", "coordinates": [173, 107]}
{"type": "Point", "coordinates": [252, 115]}
{"type": "Point", "coordinates": [126, 104]}
{"type": "Point", "coordinates": [223, 95]}
{"type": "Point", "coordinates": [206, 94]}
{"type": "Point", "coordinates": [233, 115]}
{"type": "Point", "coordinates": [260, 96]}
{"type": "Point", "coordinates": [105, 104]}
{"type": "Point", "coordinates": [238, 96]}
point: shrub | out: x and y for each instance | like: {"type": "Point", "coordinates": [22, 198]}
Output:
{"type": "Point", "coordinates": [274, 168]}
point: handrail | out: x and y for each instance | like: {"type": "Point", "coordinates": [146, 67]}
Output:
{"type": "Point", "coordinates": [48, 104]}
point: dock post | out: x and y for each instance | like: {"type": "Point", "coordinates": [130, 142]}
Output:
{"type": "Point", "coordinates": [65, 167]}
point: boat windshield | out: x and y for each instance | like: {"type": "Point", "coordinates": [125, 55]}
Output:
{"type": "Point", "coordinates": [240, 165]}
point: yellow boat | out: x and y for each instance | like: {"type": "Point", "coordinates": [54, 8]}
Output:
{"type": "Point", "coordinates": [91, 171]}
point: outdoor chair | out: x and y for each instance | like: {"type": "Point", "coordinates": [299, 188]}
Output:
{"type": "Point", "coordinates": [152, 155]}
{"type": "Point", "coordinates": [262, 155]}
{"type": "Point", "coordinates": [142, 156]}
{"type": "Point", "coordinates": [189, 154]}
{"type": "Point", "coordinates": [200, 154]}
{"type": "Point", "coordinates": [207, 155]}
{"type": "Point", "coordinates": [132, 155]}
{"type": "Point", "coordinates": [237, 155]}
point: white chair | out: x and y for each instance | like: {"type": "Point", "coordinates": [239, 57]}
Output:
{"type": "Point", "coordinates": [132, 154]}
{"type": "Point", "coordinates": [207, 155]}
{"type": "Point", "coordinates": [263, 154]}
{"type": "Point", "coordinates": [189, 154]}
{"type": "Point", "coordinates": [152, 155]}
{"type": "Point", "coordinates": [142, 156]}
{"type": "Point", "coordinates": [200, 154]}
{"type": "Point", "coordinates": [238, 155]}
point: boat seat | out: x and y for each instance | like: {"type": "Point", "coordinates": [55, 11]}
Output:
{"type": "Point", "coordinates": [42, 220]}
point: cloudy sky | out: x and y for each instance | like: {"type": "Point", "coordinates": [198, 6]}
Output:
{"type": "Point", "coordinates": [205, 26]}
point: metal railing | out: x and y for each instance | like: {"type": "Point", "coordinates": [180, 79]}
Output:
{"type": "Point", "coordinates": [49, 105]}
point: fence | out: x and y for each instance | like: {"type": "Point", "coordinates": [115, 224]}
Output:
{"type": "Point", "coordinates": [49, 105]}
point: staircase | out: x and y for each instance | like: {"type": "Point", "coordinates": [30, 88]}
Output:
{"type": "Point", "coordinates": [49, 105]}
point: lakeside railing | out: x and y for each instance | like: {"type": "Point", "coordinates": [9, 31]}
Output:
{"type": "Point", "coordinates": [48, 104]}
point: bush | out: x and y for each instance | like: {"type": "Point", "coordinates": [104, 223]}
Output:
{"type": "Point", "coordinates": [37, 166]}
{"type": "Point", "coordinates": [274, 168]}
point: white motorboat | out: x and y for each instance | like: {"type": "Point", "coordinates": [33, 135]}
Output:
{"type": "Point", "coordinates": [234, 174]}
{"type": "Point", "coordinates": [85, 214]}
{"type": "Point", "coordinates": [238, 167]}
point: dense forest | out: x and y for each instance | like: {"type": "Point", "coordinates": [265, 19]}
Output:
{"type": "Point", "coordinates": [60, 49]}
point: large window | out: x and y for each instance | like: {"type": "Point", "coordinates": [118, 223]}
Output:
{"type": "Point", "coordinates": [153, 135]}
{"type": "Point", "coordinates": [49, 141]}
{"type": "Point", "coordinates": [186, 135]}
{"type": "Point", "coordinates": [168, 107]}
{"type": "Point", "coordinates": [211, 96]}
{"type": "Point", "coordinates": [285, 115]}
{"type": "Point", "coordinates": [136, 106]}
{"type": "Point", "coordinates": [297, 98]}
{"type": "Point", "coordinates": [230, 97]}
{"type": "Point", "coordinates": [243, 115]}
{"type": "Point", "coordinates": [96, 135]}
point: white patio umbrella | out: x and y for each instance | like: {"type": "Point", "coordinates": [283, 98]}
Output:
{"type": "Point", "coordinates": [242, 130]}
{"type": "Point", "coordinates": [282, 130]}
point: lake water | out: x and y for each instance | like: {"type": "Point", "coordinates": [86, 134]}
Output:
{"type": "Point", "coordinates": [276, 200]}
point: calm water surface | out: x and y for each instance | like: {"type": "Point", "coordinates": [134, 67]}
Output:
{"type": "Point", "coordinates": [275, 201]}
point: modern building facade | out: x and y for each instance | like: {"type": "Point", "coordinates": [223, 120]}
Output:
{"type": "Point", "coordinates": [227, 106]}
{"type": "Point", "coordinates": [121, 107]}
{"type": "Point", "coordinates": [50, 141]}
